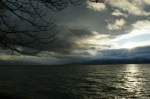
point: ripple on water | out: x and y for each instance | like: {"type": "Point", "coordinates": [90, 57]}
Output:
{"type": "Point", "coordinates": [78, 82]}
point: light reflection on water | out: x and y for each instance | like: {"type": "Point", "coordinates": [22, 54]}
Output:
{"type": "Point", "coordinates": [133, 79]}
{"type": "Point", "coordinates": [132, 82]}
{"type": "Point", "coordinates": [129, 81]}
{"type": "Point", "coordinates": [121, 81]}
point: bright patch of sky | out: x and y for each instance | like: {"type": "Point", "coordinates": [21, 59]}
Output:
{"type": "Point", "coordinates": [136, 38]}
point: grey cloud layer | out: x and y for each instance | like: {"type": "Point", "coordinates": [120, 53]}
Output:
{"type": "Point", "coordinates": [113, 18]}
{"type": "Point", "coordinates": [117, 15]}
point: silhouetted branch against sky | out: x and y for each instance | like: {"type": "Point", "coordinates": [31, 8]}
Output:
{"type": "Point", "coordinates": [23, 26]}
{"type": "Point", "coordinates": [73, 27]}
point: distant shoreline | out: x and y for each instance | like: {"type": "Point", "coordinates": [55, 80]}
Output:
{"type": "Point", "coordinates": [96, 62]}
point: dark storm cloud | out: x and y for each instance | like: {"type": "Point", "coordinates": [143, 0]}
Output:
{"type": "Point", "coordinates": [79, 23]}
{"type": "Point", "coordinates": [113, 18]}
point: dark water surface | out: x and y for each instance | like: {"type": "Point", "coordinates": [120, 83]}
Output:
{"type": "Point", "coordinates": [129, 81]}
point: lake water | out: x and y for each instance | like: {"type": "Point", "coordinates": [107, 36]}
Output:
{"type": "Point", "coordinates": [131, 81]}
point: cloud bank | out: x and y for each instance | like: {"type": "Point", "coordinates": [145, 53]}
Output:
{"type": "Point", "coordinates": [89, 28]}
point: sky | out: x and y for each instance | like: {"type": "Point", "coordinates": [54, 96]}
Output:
{"type": "Point", "coordinates": [88, 30]}
{"type": "Point", "coordinates": [113, 24]}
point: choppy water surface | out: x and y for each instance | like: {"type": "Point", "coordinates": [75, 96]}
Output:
{"type": "Point", "coordinates": [77, 82]}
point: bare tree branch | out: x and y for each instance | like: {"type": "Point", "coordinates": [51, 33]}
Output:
{"type": "Point", "coordinates": [23, 26]}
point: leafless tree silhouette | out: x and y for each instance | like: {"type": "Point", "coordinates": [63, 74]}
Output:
{"type": "Point", "coordinates": [23, 27]}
